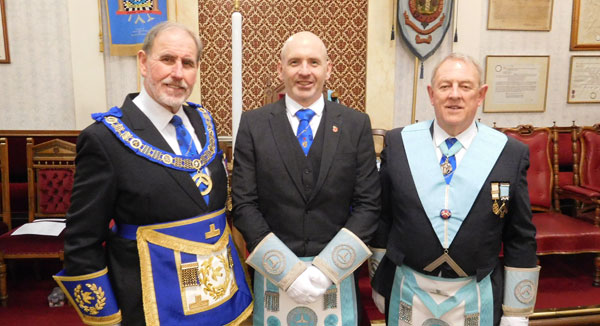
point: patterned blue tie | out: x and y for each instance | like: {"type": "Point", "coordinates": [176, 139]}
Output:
{"type": "Point", "coordinates": [187, 147]}
{"type": "Point", "coordinates": [448, 162]}
{"type": "Point", "coordinates": [304, 133]}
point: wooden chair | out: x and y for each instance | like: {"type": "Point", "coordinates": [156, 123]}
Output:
{"type": "Point", "coordinates": [556, 233]}
{"type": "Point", "coordinates": [565, 157]}
{"type": "Point", "coordinates": [6, 217]}
{"type": "Point", "coordinates": [50, 169]}
{"type": "Point", "coordinates": [587, 190]}
{"type": "Point", "coordinates": [5, 187]}
{"type": "Point", "coordinates": [379, 142]}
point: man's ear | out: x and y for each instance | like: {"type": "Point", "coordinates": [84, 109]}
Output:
{"type": "Point", "coordinates": [430, 92]}
{"type": "Point", "coordinates": [142, 58]}
{"type": "Point", "coordinates": [280, 70]}
{"type": "Point", "coordinates": [482, 91]}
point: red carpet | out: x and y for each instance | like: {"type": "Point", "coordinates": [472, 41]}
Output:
{"type": "Point", "coordinates": [28, 297]}
{"type": "Point", "coordinates": [565, 282]}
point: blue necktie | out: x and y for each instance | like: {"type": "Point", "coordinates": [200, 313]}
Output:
{"type": "Point", "coordinates": [187, 147]}
{"type": "Point", "coordinates": [304, 133]}
{"type": "Point", "coordinates": [450, 147]}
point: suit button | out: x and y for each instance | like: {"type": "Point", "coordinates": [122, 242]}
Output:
{"type": "Point", "coordinates": [307, 171]}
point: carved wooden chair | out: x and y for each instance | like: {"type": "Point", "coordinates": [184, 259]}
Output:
{"type": "Point", "coordinates": [587, 190]}
{"type": "Point", "coordinates": [5, 188]}
{"type": "Point", "coordinates": [50, 169]}
{"type": "Point", "coordinates": [556, 233]}
{"type": "Point", "coordinates": [565, 157]}
{"type": "Point", "coordinates": [6, 216]}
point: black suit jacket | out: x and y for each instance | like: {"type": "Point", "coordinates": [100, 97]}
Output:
{"type": "Point", "coordinates": [410, 239]}
{"type": "Point", "coordinates": [267, 188]}
{"type": "Point", "coordinates": [112, 182]}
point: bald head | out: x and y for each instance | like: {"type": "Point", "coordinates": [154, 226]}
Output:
{"type": "Point", "coordinates": [304, 67]}
{"type": "Point", "coordinates": [302, 39]}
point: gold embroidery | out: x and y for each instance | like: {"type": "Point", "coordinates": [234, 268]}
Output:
{"type": "Point", "coordinates": [208, 272]}
{"type": "Point", "coordinates": [83, 298]}
{"type": "Point", "coordinates": [167, 158]}
{"type": "Point", "coordinates": [212, 233]}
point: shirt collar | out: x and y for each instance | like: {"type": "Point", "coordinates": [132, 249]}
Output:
{"type": "Point", "coordinates": [465, 138]}
{"type": "Point", "coordinates": [292, 106]}
{"type": "Point", "coordinates": [158, 115]}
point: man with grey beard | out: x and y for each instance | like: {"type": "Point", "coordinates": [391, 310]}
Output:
{"type": "Point", "coordinates": [153, 166]}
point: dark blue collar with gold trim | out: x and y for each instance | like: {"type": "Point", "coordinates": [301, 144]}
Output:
{"type": "Point", "coordinates": [141, 148]}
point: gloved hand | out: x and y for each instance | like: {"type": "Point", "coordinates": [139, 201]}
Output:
{"type": "Point", "coordinates": [318, 279]}
{"type": "Point", "coordinates": [302, 289]}
{"type": "Point", "coordinates": [514, 321]}
{"type": "Point", "coordinates": [379, 301]}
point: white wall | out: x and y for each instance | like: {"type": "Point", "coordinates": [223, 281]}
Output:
{"type": "Point", "coordinates": [36, 88]}
{"type": "Point", "coordinates": [475, 40]}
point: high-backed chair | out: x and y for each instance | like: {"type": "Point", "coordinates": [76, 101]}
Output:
{"type": "Point", "coordinates": [556, 233]}
{"type": "Point", "coordinates": [50, 169]}
{"type": "Point", "coordinates": [565, 157]}
{"type": "Point", "coordinates": [587, 191]}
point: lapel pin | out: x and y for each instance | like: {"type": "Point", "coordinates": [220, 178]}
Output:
{"type": "Point", "coordinates": [334, 128]}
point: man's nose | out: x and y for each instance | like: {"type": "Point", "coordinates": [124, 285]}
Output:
{"type": "Point", "coordinates": [454, 92]}
{"type": "Point", "coordinates": [304, 68]}
{"type": "Point", "coordinates": [177, 70]}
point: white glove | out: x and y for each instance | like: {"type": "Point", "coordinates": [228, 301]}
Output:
{"type": "Point", "coordinates": [379, 301]}
{"type": "Point", "coordinates": [514, 321]}
{"type": "Point", "coordinates": [318, 279]}
{"type": "Point", "coordinates": [302, 290]}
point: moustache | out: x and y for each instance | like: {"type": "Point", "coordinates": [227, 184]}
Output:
{"type": "Point", "coordinates": [179, 83]}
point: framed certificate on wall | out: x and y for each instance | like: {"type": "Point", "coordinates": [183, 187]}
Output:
{"type": "Point", "coordinates": [585, 25]}
{"type": "Point", "coordinates": [584, 80]}
{"type": "Point", "coordinates": [516, 83]}
{"type": "Point", "coordinates": [4, 53]}
{"type": "Point", "coordinates": [520, 15]}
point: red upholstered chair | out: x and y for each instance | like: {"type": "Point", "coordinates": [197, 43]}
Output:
{"type": "Point", "coordinates": [556, 233]}
{"type": "Point", "coordinates": [50, 169]}
{"type": "Point", "coordinates": [587, 192]}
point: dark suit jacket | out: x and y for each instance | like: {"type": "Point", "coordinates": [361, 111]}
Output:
{"type": "Point", "coordinates": [112, 182]}
{"type": "Point", "coordinates": [267, 188]}
{"type": "Point", "coordinates": [410, 239]}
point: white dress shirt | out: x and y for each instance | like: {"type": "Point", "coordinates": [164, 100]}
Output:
{"type": "Point", "coordinates": [161, 118]}
{"type": "Point", "coordinates": [465, 138]}
{"type": "Point", "coordinates": [291, 107]}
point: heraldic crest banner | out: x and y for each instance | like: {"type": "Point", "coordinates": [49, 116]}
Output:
{"type": "Point", "coordinates": [129, 21]}
{"type": "Point", "coordinates": [424, 24]}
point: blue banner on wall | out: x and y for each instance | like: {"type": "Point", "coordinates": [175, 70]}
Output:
{"type": "Point", "coordinates": [130, 20]}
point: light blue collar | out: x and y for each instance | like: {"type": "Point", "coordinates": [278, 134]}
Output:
{"type": "Point", "coordinates": [466, 183]}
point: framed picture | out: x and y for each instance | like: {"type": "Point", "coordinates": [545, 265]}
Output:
{"type": "Point", "coordinates": [584, 80]}
{"type": "Point", "coordinates": [516, 83]}
{"type": "Point", "coordinates": [585, 26]}
{"type": "Point", "coordinates": [4, 53]}
{"type": "Point", "coordinates": [520, 15]}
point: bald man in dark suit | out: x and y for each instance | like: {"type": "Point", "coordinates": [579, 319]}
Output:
{"type": "Point", "coordinates": [305, 194]}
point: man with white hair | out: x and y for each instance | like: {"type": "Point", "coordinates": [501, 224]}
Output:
{"type": "Point", "coordinates": [454, 194]}
{"type": "Point", "coordinates": [154, 167]}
